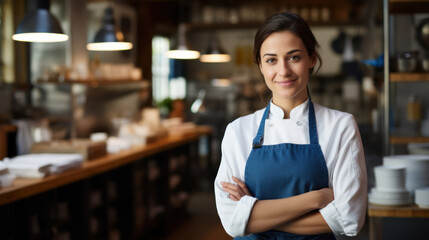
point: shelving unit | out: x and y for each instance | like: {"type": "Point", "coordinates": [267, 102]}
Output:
{"type": "Point", "coordinates": [391, 140]}
{"type": "Point", "coordinates": [82, 96]}
{"type": "Point", "coordinates": [398, 7]}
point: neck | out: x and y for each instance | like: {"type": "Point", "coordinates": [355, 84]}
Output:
{"type": "Point", "coordinates": [288, 104]}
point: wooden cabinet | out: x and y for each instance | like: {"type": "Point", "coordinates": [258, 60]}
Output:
{"type": "Point", "coordinates": [133, 194]}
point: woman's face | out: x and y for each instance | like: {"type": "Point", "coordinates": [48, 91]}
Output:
{"type": "Point", "coordinates": [286, 65]}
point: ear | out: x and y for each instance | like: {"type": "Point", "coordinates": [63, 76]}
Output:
{"type": "Point", "coordinates": [313, 61]}
{"type": "Point", "coordinates": [260, 67]}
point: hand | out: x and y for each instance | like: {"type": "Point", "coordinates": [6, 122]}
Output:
{"type": "Point", "coordinates": [236, 192]}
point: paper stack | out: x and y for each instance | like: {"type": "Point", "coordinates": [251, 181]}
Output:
{"type": "Point", "coordinates": [40, 165]}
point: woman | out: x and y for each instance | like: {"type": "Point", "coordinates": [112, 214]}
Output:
{"type": "Point", "coordinates": [294, 170]}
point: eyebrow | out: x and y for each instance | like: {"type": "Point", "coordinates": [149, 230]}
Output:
{"type": "Point", "coordinates": [273, 54]}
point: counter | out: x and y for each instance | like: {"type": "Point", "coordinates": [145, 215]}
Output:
{"type": "Point", "coordinates": [115, 194]}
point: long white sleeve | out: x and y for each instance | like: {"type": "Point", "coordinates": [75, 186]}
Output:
{"type": "Point", "coordinates": [234, 215]}
{"type": "Point", "coordinates": [346, 214]}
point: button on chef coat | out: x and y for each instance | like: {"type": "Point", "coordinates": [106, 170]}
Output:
{"type": "Point", "coordinates": [341, 145]}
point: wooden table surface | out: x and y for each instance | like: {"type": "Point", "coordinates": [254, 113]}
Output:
{"type": "Point", "coordinates": [409, 211]}
{"type": "Point", "coordinates": [23, 188]}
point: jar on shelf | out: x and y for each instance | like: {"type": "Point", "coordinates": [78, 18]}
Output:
{"type": "Point", "coordinates": [414, 112]}
{"type": "Point", "coordinates": [407, 61]}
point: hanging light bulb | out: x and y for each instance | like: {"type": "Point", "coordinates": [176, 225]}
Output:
{"type": "Point", "coordinates": [215, 54]}
{"type": "Point", "coordinates": [108, 38]}
{"type": "Point", "coordinates": [182, 51]}
{"type": "Point", "coordinates": [40, 25]}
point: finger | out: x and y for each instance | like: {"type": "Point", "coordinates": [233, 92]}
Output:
{"type": "Point", "coordinates": [242, 185]}
{"type": "Point", "coordinates": [234, 195]}
{"type": "Point", "coordinates": [235, 188]}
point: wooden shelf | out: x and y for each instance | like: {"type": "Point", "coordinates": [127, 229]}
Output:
{"type": "Point", "coordinates": [410, 211]}
{"type": "Point", "coordinates": [408, 139]}
{"type": "Point", "coordinates": [409, 77]}
{"type": "Point", "coordinates": [408, 6]}
{"type": "Point", "coordinates": [97, 82]}
{"type": "Point", "coordinates": [23, 188]}
{"type": "Point", "coordinates": [254, 25]}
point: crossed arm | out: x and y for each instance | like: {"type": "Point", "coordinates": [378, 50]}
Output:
{"type": "Point", "coordinates": [297, 214]}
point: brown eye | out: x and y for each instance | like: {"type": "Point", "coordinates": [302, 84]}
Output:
{"type": "Point", "coordinates": [295, 58]}
{"type": "Point", "coordinates": [270, 60]}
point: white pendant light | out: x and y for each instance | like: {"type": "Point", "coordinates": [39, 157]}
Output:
{"type": "Point", "coordinates": [215, 54]}
{"type": "Point", "coordinates": [182, 51]}
{"type": "Point", "coordinates": [108, 38]}
{"type": "Point", "coordinates": [40, 25]}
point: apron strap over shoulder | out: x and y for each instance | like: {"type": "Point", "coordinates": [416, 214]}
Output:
{"type": "Point", "coordinates": [312, 126]}
{"type": "Point", "coordinates": [257, 141]}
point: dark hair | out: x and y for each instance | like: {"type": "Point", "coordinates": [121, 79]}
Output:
{"type": "Point", "coordinates": [290, 22]}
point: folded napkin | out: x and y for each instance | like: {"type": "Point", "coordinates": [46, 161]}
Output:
{"type": "Point", "coordinates": [115, 145]}
{"type": "Point", "coordinates": [40, 165]}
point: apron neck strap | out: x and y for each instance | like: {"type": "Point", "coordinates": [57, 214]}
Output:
{"type": "Point", "coordinates": [257, 141]}
{"type": "Point", "coordinates": [312, 126]}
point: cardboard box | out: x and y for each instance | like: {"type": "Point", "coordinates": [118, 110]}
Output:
{"type": "Point", "coordinates": [89, 150]}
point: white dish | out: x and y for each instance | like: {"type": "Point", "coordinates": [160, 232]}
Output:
{"type": "Point", "coordinates": [423, 206]}
{"type": "Point", "coordinates": [389, 202]}
{"type": "Point", "coordinates": [395, 194]}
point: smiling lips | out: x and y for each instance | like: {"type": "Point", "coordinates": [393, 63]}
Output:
{"type": "Point", "coordinates": [285, 83]}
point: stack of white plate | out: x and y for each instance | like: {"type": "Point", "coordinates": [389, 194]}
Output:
{"type": "Point", "coordinates": [417, 169]}
{"type": "Point", "coordinates": [390, 187]}
{"type": "Point", "coordinates": [389, 178]}
{"type": "Point", "coordinates": [390, 198]}
{"type": "Point", "coordinates": [422, 197]}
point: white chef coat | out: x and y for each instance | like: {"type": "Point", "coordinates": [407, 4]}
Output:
{"type": "Point", "coordinates": [340, 141]}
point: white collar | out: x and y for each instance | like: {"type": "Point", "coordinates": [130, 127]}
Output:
{"type": "Point", "coordinates": [297, 112]}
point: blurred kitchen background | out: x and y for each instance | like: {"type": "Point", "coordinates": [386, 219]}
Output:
{"type": "Point", "coordinates": [64, 90]}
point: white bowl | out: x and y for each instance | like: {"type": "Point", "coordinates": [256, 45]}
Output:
{"type": "Point", "coordinates": [422, 196]}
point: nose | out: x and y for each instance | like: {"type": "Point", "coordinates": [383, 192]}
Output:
{"type": "Point", "coordinates": [284, 69]}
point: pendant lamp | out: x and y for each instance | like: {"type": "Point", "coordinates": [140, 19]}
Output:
{"type": "Point", "coordinates": [40, 25]}
{"type": "Point", "coordinates": [182, 51]}
{"type": "Point", "coordinates": [108, 38]}
{"type": "Point", "coordinates": [215, 54]}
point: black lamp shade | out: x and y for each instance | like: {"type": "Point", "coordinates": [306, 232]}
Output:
{"type": "Point", "coordinates": [215, 54]}
{"type": "Point", "coordinates": [108, 38]}
{"type": "Point", "coordinates": [106, 34]}
{"type": "Point", "coordinates": [40, 26]}
{"type": "Point", "coordinates": [39, 21]}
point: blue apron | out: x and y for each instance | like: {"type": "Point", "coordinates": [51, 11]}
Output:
{"type": "Point", "coordinates": [285, 170]}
